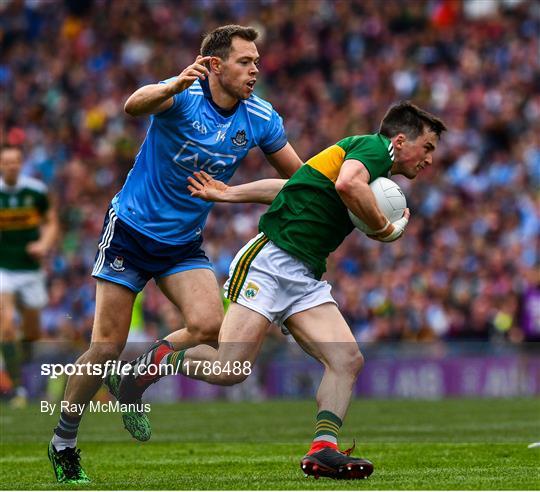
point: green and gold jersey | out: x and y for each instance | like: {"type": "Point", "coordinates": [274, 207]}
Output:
{"type": "Point", "coordinates": [308, 218]}
{"type": "Point", "coordinates": [21, 212]}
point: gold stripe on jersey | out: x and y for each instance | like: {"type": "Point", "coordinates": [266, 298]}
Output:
{"type": "Point", "coordinates": [242, 267]}
{"type": "Point", "coordinates": [328, 162]}
{"type": "Point", "coordinates": [12, 219]}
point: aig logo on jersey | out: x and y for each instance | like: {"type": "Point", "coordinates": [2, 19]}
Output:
{"type": "Point", "coordinates": [252, 289]}
{"type": "Point", "coordinates": [240, 139]}
{"type": "Point", "coordinates": [118, 264]}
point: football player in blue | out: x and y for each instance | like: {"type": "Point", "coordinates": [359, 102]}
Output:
{"type": "Point", "coordinates": [205, 119]}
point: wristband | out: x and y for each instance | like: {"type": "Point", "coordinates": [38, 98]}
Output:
{"type": "Point", "coordinates": [399, 229]}
{"type": "Point", "coordinates": [382, 229]}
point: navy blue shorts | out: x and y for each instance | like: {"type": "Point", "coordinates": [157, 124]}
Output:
{"type": "Point", "coordinates": [127, 257]}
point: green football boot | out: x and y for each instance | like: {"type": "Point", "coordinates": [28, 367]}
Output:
{"type": "Point", "coordinates": [67, 465]}
{"type": "Point", "coordinates": [136, 423]}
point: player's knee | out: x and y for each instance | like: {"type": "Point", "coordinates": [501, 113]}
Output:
{"type": "Point", "coordinates": [348, 362]}
{"type": "Point", "coordinates": [205, 330]}
{"type": "Point", "coordinates": [357, 363]}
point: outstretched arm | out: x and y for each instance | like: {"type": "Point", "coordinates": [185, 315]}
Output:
{"type": "Point", "coordinates": [204, 186]}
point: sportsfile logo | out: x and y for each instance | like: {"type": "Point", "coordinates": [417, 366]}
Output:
{"type": "Point", "coordinates": [117, 368]}
{"type": "Point", "coordinates": [110, 368]}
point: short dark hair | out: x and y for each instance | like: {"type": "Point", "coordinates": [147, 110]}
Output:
{"type": "Point", "coordinates": [409, 119]}
{"type": "Point", "coordinates": [218, 42]}
{"type": "Point", "coordinates": [9, 146]}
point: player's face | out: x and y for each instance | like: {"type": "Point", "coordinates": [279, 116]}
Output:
{"type": "Point", "coordinates": [10, 165]}
{"type": "Point", "coordinates": [239, 72]}
{"type": "Point", "coordinates": [412, 156]}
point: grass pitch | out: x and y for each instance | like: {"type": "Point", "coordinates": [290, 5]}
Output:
{"type": "Point", "coordinates": [450, 444]}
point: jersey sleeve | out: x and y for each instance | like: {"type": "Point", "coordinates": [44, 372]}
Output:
{"type": "Point", "coordinates": [369, 153]}
{"type": "Point", "coordinates": [274, 138]}
{"type": "Point", "coordinates": [178, 101]}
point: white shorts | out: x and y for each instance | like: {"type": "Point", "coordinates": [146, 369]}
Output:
{"type": "Point", "coordinates": [27, 286]}
{"type": "Point", "coordinates": [268, 280]}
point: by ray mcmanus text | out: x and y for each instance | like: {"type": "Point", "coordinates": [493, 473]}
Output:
{"type": "Point", "coordinates": [94, 406]}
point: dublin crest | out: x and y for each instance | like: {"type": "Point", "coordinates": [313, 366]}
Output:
{"type": "Point", "coordinates": [118, 264]}
{"type": "Point", "coordinates": [240, 139]}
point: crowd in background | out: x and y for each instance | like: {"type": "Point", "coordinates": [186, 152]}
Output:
{"type": "Point", "coordinates": [470, 256]}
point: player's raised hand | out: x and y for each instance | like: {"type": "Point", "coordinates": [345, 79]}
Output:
{"type": "Point", "coordinates": [191, 73]}
{"type": "Point", "coordinates": [204, 186]}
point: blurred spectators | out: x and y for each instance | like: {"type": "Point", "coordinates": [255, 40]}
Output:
{"type": "Point", "coordinates": [468, 265]}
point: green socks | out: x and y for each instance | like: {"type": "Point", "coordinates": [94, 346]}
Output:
{"type": "Point", "coordinates": [327, 427]}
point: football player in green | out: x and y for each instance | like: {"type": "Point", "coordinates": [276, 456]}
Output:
{"type": "Point", "coordinates": [28, 230]}
{"type": "Point", "coordinates": [276, 277]}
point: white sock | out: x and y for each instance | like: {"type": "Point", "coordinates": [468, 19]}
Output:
{"type": "Point", "coordinates": [60, 443]}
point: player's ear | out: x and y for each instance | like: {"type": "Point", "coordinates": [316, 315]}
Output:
{"type": "Point", "coordinates": [214, 65]}
{"type": "Point", "coordinates": [400, 139]}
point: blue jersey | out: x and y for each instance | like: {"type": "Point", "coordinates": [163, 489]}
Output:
{"type": "Point", "coordinates": [192, 135]}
